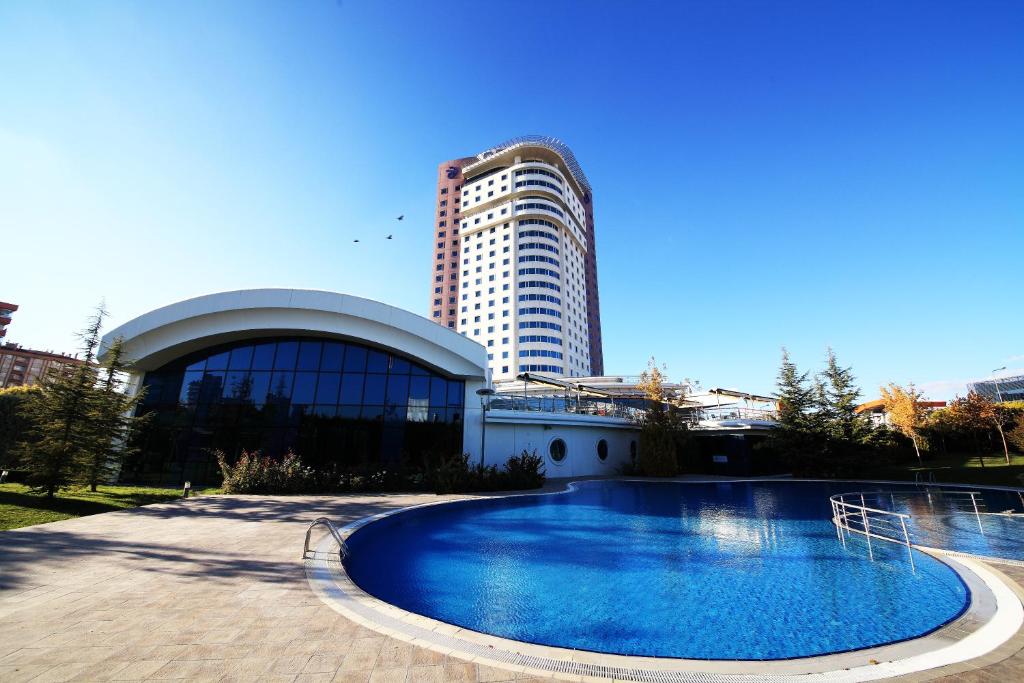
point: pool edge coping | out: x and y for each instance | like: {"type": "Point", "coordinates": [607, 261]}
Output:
{"type": "Point", "coordinates": [995, 605]}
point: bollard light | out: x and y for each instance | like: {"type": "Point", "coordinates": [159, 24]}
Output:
{"type": "Point", "coordinates": [187, 490]}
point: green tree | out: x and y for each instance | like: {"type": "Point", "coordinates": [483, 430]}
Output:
{"type": "Point", "coordinates": [795, 399]}
{"type": "Point", "coordinates": [802, 412]}
{"type": "Point", "coordinates": [973, 415]}
{"type": "Point", "coordinates": [1015, 434]}
{"type": "Point", "coordinates": [942, 424]}
{"type": "Point", "coordinates": [1002, 417]}
{"type": "Point", "coordinates": [112, 420]}
{"type": "Point", "coordinates": [59, 415]}
{"type": "Point", "coordinates": [841, 398]}
{"type": "Point", "coordinates": [13, 422]}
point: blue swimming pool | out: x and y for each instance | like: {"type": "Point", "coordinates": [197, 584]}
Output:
{"type": "Point", "coordinates": [743, 570]}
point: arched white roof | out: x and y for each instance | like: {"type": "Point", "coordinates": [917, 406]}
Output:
{"type": "Point", "coordinates": [157, 337]}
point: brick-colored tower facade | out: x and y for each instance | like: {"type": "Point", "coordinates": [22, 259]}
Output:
{"type": "Point", "coordinates": [593, 298]}
{"type": "Point", "coordinates": [515, 259]}
{"type": "Point", "coordinates": [445, 279]}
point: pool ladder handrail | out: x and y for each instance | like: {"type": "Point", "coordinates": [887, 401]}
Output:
{"type": "Point", "coordinates": [342, 546]}
{"type": "Point", "coordinates": [842, 512]}
{"type": "Point", "coordinates": [919, 479]}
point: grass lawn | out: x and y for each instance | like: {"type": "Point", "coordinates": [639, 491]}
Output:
{"type": "Point", "coordinates": [961, 469]}
{"type": "Point", "coordinates": [19, 507]}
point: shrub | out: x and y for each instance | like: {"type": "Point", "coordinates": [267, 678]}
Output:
{"type": "Point", "coordinates": [451, 474]}
{"type": "Point", "coordinates": [373, 480]}
{"type": "Point", "coordinates": [454, 474]}
{"type": "Point", "coordinates": [260, 474]}
{"type": "Point", "coordinates": [256, 473]}
{"type": "Point", "coordinates": [525, 471]}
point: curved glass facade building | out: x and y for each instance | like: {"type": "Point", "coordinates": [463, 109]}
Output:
{"type": "Point", "coordinates": [349, 384]}
{"type": "Point", "coordinates": [338, 404]}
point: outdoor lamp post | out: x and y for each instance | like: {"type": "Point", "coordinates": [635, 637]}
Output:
{"type": "Point", "coordinates": [485, 404]}
{"type": "Point", "coordinates": [995, 380]}
{"type": "Point", "coordinates": [998, 415]}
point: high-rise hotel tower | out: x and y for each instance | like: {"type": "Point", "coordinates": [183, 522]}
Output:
{"type": "Point", "coordinates": [515, 267]}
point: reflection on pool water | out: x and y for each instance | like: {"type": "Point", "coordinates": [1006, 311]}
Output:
{"type": "Point", "coordinates": [742, 570]}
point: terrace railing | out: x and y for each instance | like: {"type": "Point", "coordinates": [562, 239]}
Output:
{"type": "Point", "coordinates": [560, 404]}
{"type": "Point", "coordinates": [735, 413]}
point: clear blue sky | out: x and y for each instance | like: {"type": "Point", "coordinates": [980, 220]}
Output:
{"type": "Point", "coordinates": [766, 173]}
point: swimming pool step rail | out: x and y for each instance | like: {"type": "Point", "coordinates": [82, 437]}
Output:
{"type": "Point", "coordinates": [941, 501]}
{"type": "Point", "coordinates": [919, 477]}
{"type": "Point", "coordinates": [857, 517]}
{"type": "Point", "coordinates": [342, 546]}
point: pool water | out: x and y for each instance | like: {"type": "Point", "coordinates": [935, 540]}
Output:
{"type": "Point", "coordinates": [742, 570]}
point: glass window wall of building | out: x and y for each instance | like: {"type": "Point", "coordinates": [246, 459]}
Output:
{"type": "Point", "coordinates": [340, 405]}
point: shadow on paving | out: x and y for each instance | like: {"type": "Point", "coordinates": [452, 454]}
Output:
{"type": "Point", "coordinates": [216, 547]}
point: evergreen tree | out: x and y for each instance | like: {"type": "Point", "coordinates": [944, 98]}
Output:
{"type": "Point", "coordinates": [820, 418]}
{"type": "Point", "coordinates": [59, 416]}
{"type": "Point", "coordinates": [13, 422]}
{"type": "Point", "coordinates": [795, 399]}
{"type": "Point", "coordinates": [112, 419]}
{"type": "Point", "coordinates": [840, 400]}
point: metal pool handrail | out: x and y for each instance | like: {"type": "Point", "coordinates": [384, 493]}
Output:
{"type": "Point", "coordinates": [843, 512]}
{"type": "Point", "coordinates": [342, 546]}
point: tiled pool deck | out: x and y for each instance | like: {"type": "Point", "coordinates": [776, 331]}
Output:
{"type": "Point", "coordinates": [213, 589]}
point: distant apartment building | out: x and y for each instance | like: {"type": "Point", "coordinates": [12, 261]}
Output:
{"type": "Point", "coordinates": [6, 310]}
{"type": "Point", "coordinates": [25, 367]}
{"type": "Point", "coordinates": [515, 262]}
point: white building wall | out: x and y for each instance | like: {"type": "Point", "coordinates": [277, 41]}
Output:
{"type": "Point", "coordinates": [510, 433]}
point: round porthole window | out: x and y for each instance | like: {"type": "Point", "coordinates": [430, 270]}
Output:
{"type": "Point", "coordinates": [557, 450]}
{"type": "Point", "coordinates": [602, 450]}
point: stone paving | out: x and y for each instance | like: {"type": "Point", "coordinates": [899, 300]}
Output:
{"type": "Point", "coordinates": [212, 589]}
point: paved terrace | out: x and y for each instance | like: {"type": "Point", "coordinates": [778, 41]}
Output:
{"type": "Point", "coordinates": [213, 589]}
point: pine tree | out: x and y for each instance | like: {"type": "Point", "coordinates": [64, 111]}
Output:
{"type": "Point", "coordinates": [112, 420]}
{"type": "Point", "coordinates": [13, 422]}
{"type": "Point", "coordinates": [841, 397]}
{"type": "Point", "coordinates": [820, 418]}
{"type": "Point", "coordinates": [795, 399]}
{"type": "Point", "coordinates": [59, 416]}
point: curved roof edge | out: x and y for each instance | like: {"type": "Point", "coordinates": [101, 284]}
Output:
{"type": "Point", "coordinates": [153, 338]}
{"type": "Point", "coordinates": [554, 144]}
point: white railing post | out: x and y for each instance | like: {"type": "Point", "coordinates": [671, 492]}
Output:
{"type": "Point", "coordinates": [867, 528]}
{"type": "Point", "coordinates": [977, 515]}
{"type": "Point", "coordinates": [906, 539]}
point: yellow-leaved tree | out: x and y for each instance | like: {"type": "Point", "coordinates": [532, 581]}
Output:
{"type": "Point", "coordinates": [905, 411]}
{"type": "Point", "coordinates": [661, 427]}
{"type": "Point", "coordinates": [652, 381]}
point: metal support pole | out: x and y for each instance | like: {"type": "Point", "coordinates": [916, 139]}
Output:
{"type": "Point", "coordinates": [483, 430]}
